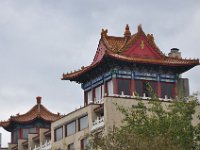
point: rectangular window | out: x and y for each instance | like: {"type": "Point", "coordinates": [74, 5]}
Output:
{"type": "Point", "coordinates": [139, 87]}
{"type": "Point", "coordinates": [145, 87]}
{"type": "Point", "coordinates": [70, 128]}
{"type": "Point", "coordinates": [15, 137]}
{"type": "Point", "coordinates": [110, 88]}
{"type": "Point", "coordinates": [102, 91]}
{"type": "Point", "coordinates": [25, 132]}
{"type": "Point", "coordinates": [83, 122]}
{"type": "Point", "coordinates": [83, 144]}
{"type": "Point", "coordinates": [32, 130]}
{"type": "Point", "coordinates": [97, 93]}
{"type": "Point", "coordinates": [71, 146]}
{"type": "Point", "coordinates": [167, 90]}
{"type": "Point", "coordinates": [58, 134]}
{"type": "Point", "coordinates": [89, 96]}
{"type": "Point", "coordinates": [124, 86]}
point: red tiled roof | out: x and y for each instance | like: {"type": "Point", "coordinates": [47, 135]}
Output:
{"type": "Point", "coordinates": [36, 112]}
{"type": "Point", "coordinates": [117, 47]}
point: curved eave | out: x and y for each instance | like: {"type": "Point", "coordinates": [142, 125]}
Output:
{"type": "Point", "coordinates": [34, 118]}
{"type": "Point", "coordinates": [4, 123]}
{"type": "Point", "coordinates": [8, 125]}
{"type": "Point", "coordinates": [167, 61]}
{"type": "Point", "coordinates": [38, 111]}
{"type": "Point", "coordinates": [72, 76]}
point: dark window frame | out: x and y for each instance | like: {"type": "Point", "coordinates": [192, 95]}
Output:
{"type": "Point", "coordinates": [68, 146]}
{"type": "Point", "coordinates": [143, 85]}
{"type": "Point", "coordinates": [79, 122]}
{"type": "Point", "coordinates": [117, 86]}
{"type": "Point", "coordinates": [15, 136]}
{"type": "Point", "coordinates": [94, 93]}
{"type": "Point", "coordinates": [55, 137]}
{"type": "Point", "coordinates": [66, 131]}
{"type": "Point", "coordinates": [167, 90]}
{"type": "Point", "coordinates": [82, 144]}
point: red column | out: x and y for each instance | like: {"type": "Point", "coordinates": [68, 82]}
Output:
{"type": "Point", "coordinates": [85, 99]}
{"type": "Point", "coordinates": [132, 86]}
{"type": "Point", "coordinates": [20, 133]}
{"type": "Point", "coordinates": [115, 87]}
{"type": "Point", "coordinates": [159, 89]}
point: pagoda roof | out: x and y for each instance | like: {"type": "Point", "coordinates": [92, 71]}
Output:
{"type": "Point", "coordinates": [36, 112]}
{"type": "Point", "coordinates": [138, 48]}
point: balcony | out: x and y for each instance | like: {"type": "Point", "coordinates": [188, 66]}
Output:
{"type": "Point", "coordinates": [98, 101]}
{"type": "Point", "coordinates": [45, 146]}
{"type": "Point", "coordinates": [98, 123]}
{"type": "Point", "coordinates": [143, 97]}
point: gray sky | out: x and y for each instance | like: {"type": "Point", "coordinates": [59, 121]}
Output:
{"type": "Point", "coordinates": [41, 39]}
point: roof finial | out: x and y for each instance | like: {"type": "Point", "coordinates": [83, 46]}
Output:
{"type": "Point", "coordinates": [140, 28]}
{"type": "Point", "coordinates": [127, 32]}
{"type": "Point", "coordinates": [104, 32]}
{"type": "Point", "coordinates": [38, 99]}
{"type": "Point", "coordinates": [150, 37]}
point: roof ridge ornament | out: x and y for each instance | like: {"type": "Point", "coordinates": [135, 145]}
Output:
{"type": "Point", "coordinates": [140, 30]}
{"type": "Point", "coordinates": [127, 32]}
{"type": "Point", "coordinates": [38, 102]}
{"type": "Point", "coordinates": [150, 37]}
{"type": "Point", "coordinates": [104, 32]}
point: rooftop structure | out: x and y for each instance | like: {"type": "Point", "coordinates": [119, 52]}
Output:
{"type": "Point", "coordinates": [121, 72]}
{"type": "Point", "coordinates": [125, 65]}
{"type": "Point", "coordinates": [137, 49]}
{"type": "Point", "coordinates": [21, 125]}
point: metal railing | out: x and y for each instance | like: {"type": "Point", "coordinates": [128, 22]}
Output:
{"type": "Point", "coordinates": [45, 146]}
{"type": "Point", "coordinates": [98, 123]}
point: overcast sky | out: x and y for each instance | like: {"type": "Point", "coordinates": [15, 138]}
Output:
{"type": "Point", "coordinates": [42, 39]}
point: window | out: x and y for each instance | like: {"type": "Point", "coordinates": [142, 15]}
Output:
{"type": "Point", "coordinates": [167, 90]}
{"type": "Point", "coordinates": [58, 134]}
{"type": "Point", "coordinates": [143, 86]}
{"type": "Point", "coordinates": [71, 146]}
{"type": "Point", "coordinates": [83, 144]}
{"type": "Point", "coordinates": [83, 123]}
{"type": "Point", "coordinates": [25, 132]}
{"type": "Point", "coordinates": [32, 130]}
{"type": "Point", "coordinates": [89, 96]}
{"type": "Point", "coordinates": [70, 128]}
{"type": "Point", "coordinates": [124, 85]}
{"type": "Point", "coordinates": [102, 91]}
{"type": "Point", "coordinates": [110, 88]}
{"type": "Point", "coordinates": [15, 137]}
{"type": "Point", "coordinates": [98, 93]}
{"type": "Point", "coordinates": [139, 87]}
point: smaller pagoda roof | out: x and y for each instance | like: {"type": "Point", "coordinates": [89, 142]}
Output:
{"type": "Point", "coordinates": [139, 48]}
{"type": "Point", "coordinates": [36, 112]}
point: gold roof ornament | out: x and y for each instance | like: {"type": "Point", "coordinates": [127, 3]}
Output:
{"type": "Point", "coordinates": [127, 32]}
{"type": "Point", "coordinates": [140, 30]}
{"type": "Point", "coordinates": [150, 37]}
{"type": "Point", "coordinates": [104, 32]}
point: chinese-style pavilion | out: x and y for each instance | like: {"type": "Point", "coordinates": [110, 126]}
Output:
{"type": "Point", "coordinates": [21, 125]}
{"type": "Point", "coordinates": [124, 65]}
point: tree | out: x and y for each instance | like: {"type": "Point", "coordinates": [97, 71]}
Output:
{"type": "Point", "coordinates": [153, 126]}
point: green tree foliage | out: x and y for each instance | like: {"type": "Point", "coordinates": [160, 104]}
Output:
{"type": "Point", "coordinates": [153, 126]}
